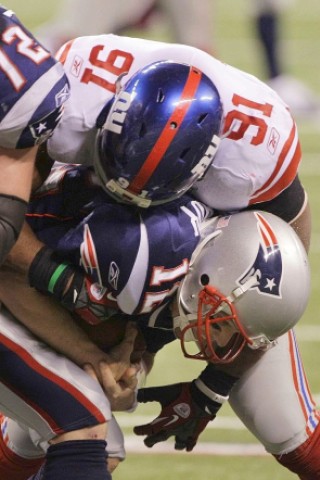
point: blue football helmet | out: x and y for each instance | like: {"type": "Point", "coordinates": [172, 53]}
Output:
{"type": "Point", "coordinates": [159, 134]}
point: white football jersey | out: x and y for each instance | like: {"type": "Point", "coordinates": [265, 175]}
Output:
{"type": "Point", "coordinates": [259, 154]}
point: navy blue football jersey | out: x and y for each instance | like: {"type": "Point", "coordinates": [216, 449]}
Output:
{"type": "Point", "coordinates": [137, 255]}
{"type": "Point", "coordinates": [33, 86]}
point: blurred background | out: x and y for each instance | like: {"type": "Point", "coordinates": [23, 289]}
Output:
{"type": "Point", "coordinates": [233, 31]}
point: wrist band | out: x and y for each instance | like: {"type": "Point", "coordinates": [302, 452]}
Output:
{"type": "Point", "coordinates": [215, 397]}
{"type": "Point", "coordinates": [55, 276]}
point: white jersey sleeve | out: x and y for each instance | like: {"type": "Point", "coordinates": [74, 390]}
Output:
{"type": "Point", "coordinates": [259, 154]}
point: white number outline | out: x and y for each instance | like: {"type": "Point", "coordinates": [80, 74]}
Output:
{"type": "Point", "coordinates": [26, 47]}
{"type": "Point", "coordinates": [162, 275]}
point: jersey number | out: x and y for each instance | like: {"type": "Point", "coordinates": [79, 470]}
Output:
{"type": "Point", "coordinates": [245, 120]}
{"type": "Point", "coordinates": [163, 275]}
{"type": "Point", "coordinates": [117, 63]}
{"type": "Point", "coordinates": [25, 46]}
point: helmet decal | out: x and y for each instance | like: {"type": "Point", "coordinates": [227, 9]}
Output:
{"type": "Point", "coordinates": [115, 121]}
{"type": "Point", "coordinates": [267, 267]}
{"type": "Point", "coordinates": [169, 132]}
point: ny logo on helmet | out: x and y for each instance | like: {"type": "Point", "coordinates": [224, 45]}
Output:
{"type": "Point", "coordinates": [117, 116]}
{"type": "Point", "coordinates": [267, 267]}
{"type": "Point", "coordinates": [207, 158]}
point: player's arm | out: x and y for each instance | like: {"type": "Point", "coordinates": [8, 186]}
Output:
{"type": "Point", "coordinates": [15, 184]}
{"type": "Point", "coordinates": [187, 408]}
{"type": "Point", "coordinates": [50, 322]}
{"type": "Point", "coordinates": [54, 325]}
{"type": "Point", "coordinates": [291, 205]}
{"type": "Point", "coordinates": [46, 319]}
{"type": "Point", "coordinates": [43, 166]}
{"type": "Point", "coordinates": [302, 223]}
{"type": "Point", "coordinates": [41, 314]}
{"type": "Point", "coordinates": [40, 267]}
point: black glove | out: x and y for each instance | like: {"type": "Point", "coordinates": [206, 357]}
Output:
{"type": "Point", "coordinates": [184, 415]}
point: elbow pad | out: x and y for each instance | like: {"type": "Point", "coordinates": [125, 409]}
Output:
{"type": "Point", "coordinates": [12, 213]}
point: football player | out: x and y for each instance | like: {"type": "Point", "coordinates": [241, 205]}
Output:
{"type": "Point", "coordinates": [255, 162]}
{"type": "Point", "coordinates": [59, 209]}
{"type": "Point", "coordinates": [33, 91]}
{"type": "Point", "coordinates": [247, 156]}
{"type": "Point", "coordinates": [242, 309]}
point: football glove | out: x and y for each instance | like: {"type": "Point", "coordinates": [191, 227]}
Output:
{"type": "Point", "coordinates": [185, 412]}
{"type": "Point", "coordinates": [70, 286]}
{"type": "Point", "coordinates": [88, 300]}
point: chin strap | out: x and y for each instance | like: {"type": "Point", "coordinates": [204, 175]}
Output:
{"type": "Point", "coordinates": [239, 291]}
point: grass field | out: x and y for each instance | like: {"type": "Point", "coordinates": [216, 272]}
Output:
{"type": "Point", "coordinates": [234, 40]}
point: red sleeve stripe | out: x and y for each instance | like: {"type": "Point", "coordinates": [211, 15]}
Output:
{"type": "Point", "coordinates": [33, 366]}
{"type": "Point", "coordinates": [168, 133]}
{"type": "Point", "coordinates": [306, 401]}
{"type": "Point", "coordinates": [62, 54]}
{"type": "Point", "coordinates": [278, 182]}
{"type": "Point", "coordinates": [88, 251]}
{"type": "Point", "coordinates": [48, 215]}
{"type": "Point", "coordinates": [89, 258]}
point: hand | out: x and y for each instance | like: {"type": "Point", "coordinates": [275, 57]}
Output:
{"type": "Point", "coordinates": [180, 416]}
{"type": "Point", "coordinates": [121, 394]}
{"type": "Point", "coordinates": [120, 355]}
{"type": "Point", "coordinates": [109, 368]}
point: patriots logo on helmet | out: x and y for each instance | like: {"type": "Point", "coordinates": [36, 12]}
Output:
{"type": "Point", "coordinates": [267, 267]}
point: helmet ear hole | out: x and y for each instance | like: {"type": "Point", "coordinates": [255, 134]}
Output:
{"type": "Point", "coordinates": [204, 279]}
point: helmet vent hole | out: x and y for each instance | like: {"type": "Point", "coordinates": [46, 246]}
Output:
{"type": "Point", "coordinates": [173, 125]}
{"type": "Point", "coordinates": [204, 279]}
{"type": "Point", "coordinates": [160, 96]}
{"type": "Point", "coordinates": [184, 153]}
{"type": "Point", "coordinates": [143, 130]}
{"type": "Point", "coordinates": [202, 118]}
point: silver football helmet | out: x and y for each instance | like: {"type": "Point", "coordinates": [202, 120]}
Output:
{"type": "Point", "coordinates": [250, 272]}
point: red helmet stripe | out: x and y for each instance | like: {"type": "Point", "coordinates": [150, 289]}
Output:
{"type": "Point", "coordinates": [269, 238]}
{"type": "Point", "coordinates": [168, 133]}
